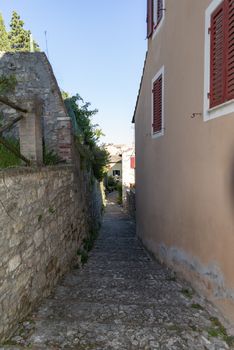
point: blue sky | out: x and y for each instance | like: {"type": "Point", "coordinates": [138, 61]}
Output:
{"type": "Point", "coordinates": [96, 48]}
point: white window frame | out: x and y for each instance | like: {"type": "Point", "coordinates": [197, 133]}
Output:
{"type": "Point", "coordinates": [158, 27]}
{"type": "Point", "coordinates": [157, 134]}
{"type": "Point", "coordinates": [226, 107]}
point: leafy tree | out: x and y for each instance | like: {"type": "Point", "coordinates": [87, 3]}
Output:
{"type": "Point", "coordinates": [100, 160]}
{"type": "Point", "coordinates": [87, 134]}
{"type": "Point", "coordinates": [4, 41]}
{"type": "Point", "coordinates": [18, 36]}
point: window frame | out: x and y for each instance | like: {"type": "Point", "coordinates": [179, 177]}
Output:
{"type": "Point", "coordinates": [157, 26]}
{"type": "Point", "coordinates": [226, 107]}
{"type": "Point", "coordinates": [161, 132]}
{"type": "Point", "coordinates": [153, 25]}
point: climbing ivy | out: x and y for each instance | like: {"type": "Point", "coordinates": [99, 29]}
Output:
{"type": "Point", "coordinates": [87, 135]}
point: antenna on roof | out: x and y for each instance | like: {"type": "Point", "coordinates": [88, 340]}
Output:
{"type": "Point", "coordinates": [47, 51]}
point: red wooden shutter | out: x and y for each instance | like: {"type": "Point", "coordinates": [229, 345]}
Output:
{"type": "Point", "coordinates": [230, 50]}
{"type": "Point", "coordinates": [149, 18]}
{"type": "Point", "coordinates": [159, 11]}
{"type": "Point", "coordinates": [157, 105]}
{"type": "Point", "coordinates": [132, 162]}
{"type": "Point", "coordinates": [217, 56]}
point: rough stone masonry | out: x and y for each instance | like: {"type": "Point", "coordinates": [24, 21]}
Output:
{"type": "Point", "coordinates": [121, 300]}
{"type": "Point", "coordinates": [35, 79]}
{"type": "Point", "coordinates": [45, 214]}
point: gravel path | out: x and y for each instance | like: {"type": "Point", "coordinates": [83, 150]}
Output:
{"type": "Point", "coordinates": [121, 299]}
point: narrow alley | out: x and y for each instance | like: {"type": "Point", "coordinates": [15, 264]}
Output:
{"type": "Point", "coordinates": [121, 299]}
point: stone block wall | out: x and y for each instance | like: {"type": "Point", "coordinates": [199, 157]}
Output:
{"type": "Point", "coordinates": [45, 214]}
{"type": "Point", "coordinates": [35, 78]}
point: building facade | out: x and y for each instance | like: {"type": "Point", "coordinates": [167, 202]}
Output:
{"type": "Point", "coordinates": [184, 130]}
{"type": "Point", "coordinates": [115, 162]}
{"type": "Point", "coordinates": [128, 166]}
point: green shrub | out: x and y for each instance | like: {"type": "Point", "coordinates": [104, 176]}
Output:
{"type": "Point", "coordinates": [87, 135]}
{"type": "Point", "coordinates": [120, 193]}
{"type": "Point", "coordinates": [187, 293]}
{"type": "Point", "coordinates": [218, 330]}
{"type": "Point", "coordinates": [99, 162]}
{"type": "Point", "coordinates": [87, 246]}
{"type": "Point", "coordinates": [111, 183]}
{"type": "Point", "coordinates": [7, 158]}
{"type": "Point", "coordinates": [50, 157]}
{"type": "Point", "coordinates": [197, 306]}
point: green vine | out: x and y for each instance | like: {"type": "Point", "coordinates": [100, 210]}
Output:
{"type": "Point", "coordinates": [7, 84]}
{"type": "Point", "coordinates": [93, 156]}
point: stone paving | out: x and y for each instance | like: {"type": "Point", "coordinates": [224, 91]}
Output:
{"type": "Point", "coordinates": [121, 299]}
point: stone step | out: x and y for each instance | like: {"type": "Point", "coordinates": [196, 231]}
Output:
{"type": "Point", "coordinates": [128, 274]}
{"type": "Point", "coordinates": [143, 315]}
{"type": "Point", "coordinates": [121, 295]}
{"type": "Point", "coordinates": [60, 334]}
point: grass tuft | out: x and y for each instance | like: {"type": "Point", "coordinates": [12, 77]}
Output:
{"type": "Point", "coordinates": [7, 158]}
{"type": "Point", "coordinates": [218, 330]}
{"type": "Point", "coordinates": [187, 293]}
{"type": "Point", "coordinates": [197, 306]}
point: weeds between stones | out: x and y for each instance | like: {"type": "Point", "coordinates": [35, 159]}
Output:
{"type": "Point", "coordinates": [218, 330]}
{"type": "Point", "coordinates": [187, 293]}
{"type": "Point", "coordinates": [87, 246]}
{"type": "Point", "coordinates": [197, 306]}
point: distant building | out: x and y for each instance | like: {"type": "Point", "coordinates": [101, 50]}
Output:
{"type": "Point", "coordinates": [122, 165]}
{"type": "Point", "coordinates": [128, 170]}
{"type": "Point", "coordinates": [115, 164]}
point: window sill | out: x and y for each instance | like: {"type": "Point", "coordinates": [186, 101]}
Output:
{"type": "Point", "coordinates": [220, 110]}
{"type": "Point", "coordinates": [155, 135]}
{"type": "Point", "coordinates": [157, 27]}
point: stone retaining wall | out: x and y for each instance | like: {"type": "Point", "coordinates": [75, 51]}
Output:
{"type": "Point", "coordinates": [131, 202]}
{"type": "Point", "coordinates": [45, 214]}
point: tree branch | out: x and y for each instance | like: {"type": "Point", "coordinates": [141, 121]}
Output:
{"type": "Point", "coordinates": [10, 124]}
{"type": "Point", "coordinates": [11, 104]}
{"type": "Point", "coordinates": [14, 150]}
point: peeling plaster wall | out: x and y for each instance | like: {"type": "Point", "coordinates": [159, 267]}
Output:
{"type": "Point", "coordinates": [208, 277]}
{"type": "Point", "coordinates": [209, 280]}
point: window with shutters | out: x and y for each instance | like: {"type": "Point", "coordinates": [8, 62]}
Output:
{"type": "Point", "coordinates": [158, 104]}
{"type": "Point", "coordinates": [155, 16]}
{"type": "Point", "coordinates": [219, 59]}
